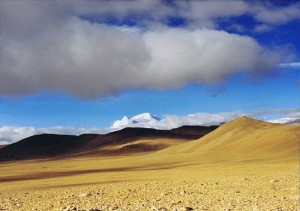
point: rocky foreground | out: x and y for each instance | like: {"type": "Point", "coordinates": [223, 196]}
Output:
{"type": "Point", "coordinates": [223, 193]}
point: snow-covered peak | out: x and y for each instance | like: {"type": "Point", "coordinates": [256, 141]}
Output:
{"type": "Point", "coordinates": [125, 118]}
{"type": "Point", "coordinates": [140, 120]}
{"type": "Point", "coordinates": [145, 117]}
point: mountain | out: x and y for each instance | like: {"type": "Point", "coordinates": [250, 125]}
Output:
{"type": "Point", "coordinates": [140, 120]}
{"type": "Point", "coordinates": [297, 121]}
{"type": "Point", "coordinates": [44, 145]}
{"type": "Point", "coordinates": [241, 139]}
{"type": "Point", "coordinates": [125, 141]}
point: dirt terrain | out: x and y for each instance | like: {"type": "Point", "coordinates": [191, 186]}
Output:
{"type": "Point", "coordinates": [245, 164]}
{"type": "Point", "coordinates": [58, 146]}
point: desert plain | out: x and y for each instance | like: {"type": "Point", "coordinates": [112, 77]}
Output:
{"type": "Point", "coordinates": [245, 164]}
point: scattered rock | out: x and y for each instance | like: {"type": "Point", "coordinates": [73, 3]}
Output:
{"type": "Point", "coordinates": [82, 195]}
{"type": "Point", "coordinates": [185, 209]}
{"type": "Point", "coordinates": [182, 192]}
{"type": "Point", "coordinates": [154, 208]}
{"type": "Point", "coordinates": [115, 207]}
{"type": "Point", "coordinates": [232, 193]}
{"type": "Point", "coordinates": [69, 208]}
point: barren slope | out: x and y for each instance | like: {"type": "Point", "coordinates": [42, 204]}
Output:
{"type": "Point", "coordinates": [243, 165]}
{"type": "Point", "coordinates": [241, 139]}
{"type": "Point", "coordinates": [58, 146]}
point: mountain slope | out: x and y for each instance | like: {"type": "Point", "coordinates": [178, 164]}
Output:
{"type": "Point", "coordinates": [98, 145]}
{"type": "Point", "coordinates": [43, 146]}
{"type": "Point", "coordinates": [241, 139]}
{"type": "Point", "coordinates": [115, 143]}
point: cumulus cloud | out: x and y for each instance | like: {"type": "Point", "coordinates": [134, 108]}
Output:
{"type": "Point", "coordinates": [198, 13]}
{"type": "Point", "coordinates": [9, 135]}
{"type": "Point", "coordinates": [262, 28]}
{"type": "Point", "coordinates": [50, 46]}
{"type": "Point", "coordinates": [292, 116]}
{"type": "Point", "coordinates": [205, 119]}
{"type": "Point", "coordinates": [290, 65]}
{"type": "Point", "coordinates": [274, 15]}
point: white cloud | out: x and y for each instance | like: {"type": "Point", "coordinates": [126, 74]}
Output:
{"type": "Point", "coordinates": [145, 119]}
{"type": "Point", "coordinates": [282, 120]}
{"type": "Point", "coordinates": [264, 12]}
{"type": "Point", "coordinates": [271, 14]}
{"type": "Point", "coordinates": [237, 28]}
{"type": "Point", "coordinates": [173, 121]}
{"type": "Point", "coordinates": [290, 116]}
{"type": "Point", "coordinates": [9, 135]}
{"type": "Point", "coordinates": [262, 28]}
{"type": "Point", "coordinates": [198, 13]}
{"type": "Point", "coordinates": [290, 65]}
{"type": "Point", "coordinates": [45, 47]}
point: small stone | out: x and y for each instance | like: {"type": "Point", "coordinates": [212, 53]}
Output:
{"type": "Point", "coordinates": [182, 192]}
{"type": "Point", "coordinates": [274, 180]}
{"type": "Point", "coordinates": [84, 195]}
{"type": "Point", "coordinates": [185, 209]}
{"type": "Point", "coordinates": [154, 208]}
{"type": "Point", "coordinates": [68, 208]}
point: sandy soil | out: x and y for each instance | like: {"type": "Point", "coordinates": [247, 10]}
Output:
{"type": "Point", "coordinates": [254, 167]}
{"type": "Point", "coordinates": [235, 186]}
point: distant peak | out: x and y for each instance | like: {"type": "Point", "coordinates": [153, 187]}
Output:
{"type": "Point", "coordinates": [124, 118]}
{"type": "Point", "coordinates": [140, 120]}
{"type": "Point", "coordinates": [245, 118]}
{"type": "Point", "coordinates": [245, 121]}
{"type": "Point", "coordinates": [145, 116]}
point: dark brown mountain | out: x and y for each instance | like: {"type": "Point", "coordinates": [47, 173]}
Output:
{"type": "Point", "coordinates": [53, 146]}
{"type": "Point", "coordinates": [1, 146]}
{"type": "Point", "coordinates": [43, 146]}
{"type": "Point", "coordinates": [297, 121]}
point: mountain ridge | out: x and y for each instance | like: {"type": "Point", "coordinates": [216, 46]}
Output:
{"type": "Point", "coordinates": [241, 139]}
{"type": "Point", "coordinates": [52, 145]}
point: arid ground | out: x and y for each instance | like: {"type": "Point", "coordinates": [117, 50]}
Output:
{"type": "Point", "coordinates": [245, 164]}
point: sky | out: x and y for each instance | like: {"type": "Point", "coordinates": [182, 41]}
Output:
{"type": "Point", "coordinates": [73, 67]}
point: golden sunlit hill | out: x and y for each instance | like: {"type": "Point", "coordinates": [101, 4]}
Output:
{"type": "Point", "coordinates": [245, 164]}
{"type": "Point", "coordinates": [242, 139]}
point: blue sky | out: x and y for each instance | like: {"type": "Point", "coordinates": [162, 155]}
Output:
{"type": "Point", "coordinates": [239, 92]}
{"type": "Point", "coordinates": [89, 63]}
